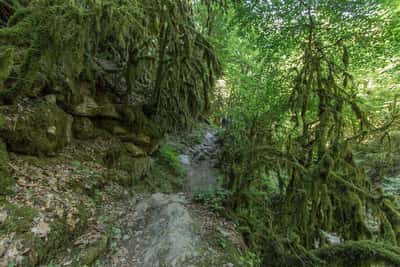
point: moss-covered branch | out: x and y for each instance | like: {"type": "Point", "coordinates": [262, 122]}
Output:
{"type": "Point", "coordinates": [352, 253]}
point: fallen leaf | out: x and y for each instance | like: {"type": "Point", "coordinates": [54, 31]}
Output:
{"type": "Point", "coordinates": [42, 229]}
{"type": "Point", "coordinates": [3, 216]}
{"type": "Point", "coordinates": [71, 222]}
{"type": "Point", "coordinates": [67, 263]}
{"type": "Point", "coordinates": [2, 250]}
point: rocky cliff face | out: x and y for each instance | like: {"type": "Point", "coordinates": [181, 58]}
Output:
{"type": "Point", "coordinates": [42, 126]}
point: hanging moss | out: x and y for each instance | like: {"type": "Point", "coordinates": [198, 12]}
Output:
{"type": "Point", "coordinates": [352, 253]}
{"type": "Point", "coordinates": [324, 191]}
{"type": "Point", "coordinates": [6, 62]}
{"type": "Point", "coordinates": [154, 45]}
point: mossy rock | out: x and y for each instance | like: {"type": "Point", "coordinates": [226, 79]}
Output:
{"type": "Point", "coordinates": [134, 119]}
{"type": "Point", "coordinates": [120, 158]}
{"type": "Point", "coordinates": [70, 96]}
{"type": "Point", "coordinates": [83, 128]}
{"type": "Point", "coordinates": [137, 167]}
{"type": "Point", "coordinates": [92, 253]}
{"type": "Point", "coordinates": [114, 127]}
{"type": "Point", "coordinates": [134, 150]}
{"type": "Point", "coordinates": [42, 129]}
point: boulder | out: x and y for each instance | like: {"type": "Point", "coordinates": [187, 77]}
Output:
{"type": "Point", "coordinates": [134, 150]}
{"type": "Point", "coordinates": [145, 142]}
{"type": "Point", "coordinates": [79, 100]}
{"type": "Point", "coordinates": [120, 158]}
{"type": "Point", "coordinates": [87, 107]}
{"type": "Point", "coordinates": [51, 99]}
{"type": "Point", "coordinates": [119, 130]}
{"type": "Point", "coordinates": [140, 139]}
{"type": "Point", "coordinates": [38, 129]}
{"type": "Point", "coordinates": [169, 236]}
{"type": "Point", "coordinates": [130, 170]}
{"type": "Point", "coordinates": [83, 128]}
{"type": "Point", "coordinates": [137, 167]}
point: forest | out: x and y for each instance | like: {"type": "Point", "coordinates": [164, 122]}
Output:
{"type": "Point", "coordinates": [224, 133]}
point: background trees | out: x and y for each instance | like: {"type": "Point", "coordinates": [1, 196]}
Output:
{"type": "Point", "coordinates": [299, 104]}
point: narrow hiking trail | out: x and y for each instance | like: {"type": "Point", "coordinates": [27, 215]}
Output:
{"type": "Point", "coordinates": [199, 163]}
{"type": "Point", "coordinates": [169, 229]}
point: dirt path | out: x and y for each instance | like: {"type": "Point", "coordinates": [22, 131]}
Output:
{"type": "Point", "coordinates": [169, 230]}
{"type": "Point", "coordinates": [199, 163]}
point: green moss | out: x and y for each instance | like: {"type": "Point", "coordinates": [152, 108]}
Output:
{"type": "Point", "coordinates": [169, 157]}
{"type": "Point", "coordinates": [45, 130]}
{"type": "Point", "coordinates": [58, 239]}
{"type": "Point", "coordinates": [352, 253]}
{"type": "Point", "coordinates": [19, 219]}
{"type": "Point", "coordinates": [91, 254]}
{"type": "Point", "coordinates": [6, 181]}
{"type": "Point", "coordinates": [83, 128]}
{"type": "Point", "coordinates": [225, 252]}
{"type": "Point", "coordinates": [136, 167]}
{"type": "Point", "coordinates": [160, 179]}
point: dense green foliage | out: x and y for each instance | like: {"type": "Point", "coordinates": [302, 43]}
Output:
{"type": "Point", "coordinates": [297, 71]}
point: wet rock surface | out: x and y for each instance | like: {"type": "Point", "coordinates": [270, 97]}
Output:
{"type": "Point", "coordinates": [166, 234]}
{"type": "Point", "coordinates": [167, 230]}
{"type": "Point", "coordinates": [199, 162]}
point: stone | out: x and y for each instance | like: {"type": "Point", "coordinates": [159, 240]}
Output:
{"type": "Point", "coordinates": [90, 255]}
{"type": "Point", "coordinates": [88, 107]}
{"type": "Point", "coordinates": [137, 167]}
{"type": "Point", "coordinates": [107, 109]}
{"type": "Point", "coordinates": [172, 236]}
{"type": "Point", "coordinates": [184, 159]}
{"type": "Point", "coordinates": [120, 130]}
{"type": "Point", "coordinates": [42, 129]}
{"type": "Point", "coordinates": [3, 216]}
{"type": "Point", "coordinates": [52, 130]}
{"type": "Point", "coordinates": [51, 99]}
{"type": "Point", "coordinates": [140, 139]}
{"type": "Point", "coordinates": [79, 100]}
{"type": "Point", "coordinates": [134, 150]}
{"type": "Point", "coordinates": [3, 250]}
{"type": "Point", "coordinates": [83, 128]}
{"type": "Point", "coordinates": [119, 158]}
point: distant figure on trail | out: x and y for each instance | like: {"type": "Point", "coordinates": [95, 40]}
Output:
{"type": "Point", "coordinates": [225, 121]}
